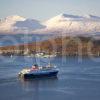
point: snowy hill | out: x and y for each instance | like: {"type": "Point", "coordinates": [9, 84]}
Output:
{"type": "Point", "coordinates": [18, 24]}
{"type": "Point", "coordinates": [61, 24]}
{"type": "Point", "coordinates": [6, 25]}
{"type": "Point", "coordinates": [71, 24]}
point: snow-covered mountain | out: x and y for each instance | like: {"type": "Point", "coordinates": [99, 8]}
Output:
{"type": "Point", "coordinates": [61, 24]}
{"type": "Point", "coordinates": [18, 24]}
{"type": "Point", "coordinates": [6, 25]}
{"type": "Point", "coordinates": [71, 24]}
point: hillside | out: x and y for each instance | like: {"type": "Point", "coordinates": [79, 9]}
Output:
{"type": "Point", "coordinates": [70, 46]}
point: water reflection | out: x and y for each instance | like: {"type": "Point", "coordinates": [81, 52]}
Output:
{"type": "Point", "coordinates": [38, 84]}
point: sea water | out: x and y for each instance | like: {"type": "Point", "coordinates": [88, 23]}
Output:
{"type": "Point", "coordinates": [76, 80]}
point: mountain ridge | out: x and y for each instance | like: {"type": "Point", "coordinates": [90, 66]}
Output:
{"type": "Point", "coordinates": [63, 24]}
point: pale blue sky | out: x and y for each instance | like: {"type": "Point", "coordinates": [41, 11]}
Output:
{"type": "Point", "coordinates": [44, 9]}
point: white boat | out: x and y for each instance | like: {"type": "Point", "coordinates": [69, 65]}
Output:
{"type": "Point", "coordinates": [42, 55]}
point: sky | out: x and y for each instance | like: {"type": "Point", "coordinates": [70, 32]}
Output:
{"type": "Point", "coordinates": [45, 9]}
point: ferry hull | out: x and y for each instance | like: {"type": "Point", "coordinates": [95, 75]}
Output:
{"type": "Point", "coordinates": [50, 74]}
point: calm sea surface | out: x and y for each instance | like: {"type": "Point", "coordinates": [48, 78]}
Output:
{"type": "Point", "coordinates": [77, 80]}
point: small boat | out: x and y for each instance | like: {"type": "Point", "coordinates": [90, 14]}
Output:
{"type": "Point", "coordinates": [42, 55]}
{"type": "Point", "coordinates": [11, 56]}
{"type": "Point", "coordinates": [37, 72]}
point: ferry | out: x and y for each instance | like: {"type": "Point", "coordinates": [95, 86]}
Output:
{"type": "Point", "coordinates": [38, 72]}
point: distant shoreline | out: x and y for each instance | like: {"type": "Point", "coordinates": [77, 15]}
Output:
{"type": "Point", "coordinates": [61, 46]}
